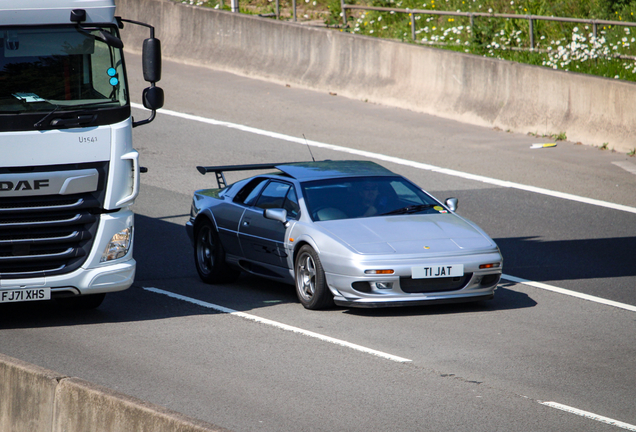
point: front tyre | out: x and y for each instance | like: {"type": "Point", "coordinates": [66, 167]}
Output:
{"type": "Point", "coordinates": [209, 256]}
{"type": "Point", "coordinates": [311, 286]}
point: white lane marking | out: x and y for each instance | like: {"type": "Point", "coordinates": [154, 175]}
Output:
{"type": "Point", "coordinates": [281, 326]}
{"type": "Point", "coordinates": [413, 164]}
{"type": "Point", "coordinates": [570, 293]}
{"type": "Point", "coordinates": [399, 161]}
{"type": "Point", "coordinates": [627, 166]}
{"type": "Point", "coordinates": [590, 415]}
{"type": "Point", "coordinates": [360, 348]}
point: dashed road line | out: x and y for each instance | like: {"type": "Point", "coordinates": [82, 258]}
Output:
{"type": "Point", "coordinates": [590, 415]}
{"type": "Point", "coordinates": [627, 166]}
{"type": "Point", "coordinates": [360, 348]}
{"type": "Point", "coordinates": [569, 293]}
{"type": "Point", "coordinates": [280, 325]}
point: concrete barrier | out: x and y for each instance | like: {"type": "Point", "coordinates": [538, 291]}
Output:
{"type": "Point", "coordinates": [39, 400]}
{"type": "Point", "coordinates": [27, 396]}
{"type": "Point", "coordinates": [477, 90]}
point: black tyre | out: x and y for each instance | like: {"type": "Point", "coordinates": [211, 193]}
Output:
{"type": "Point", "coordinates": [209, 256]}
{"type": "Point", "coordinates": [311, 286]}
{"type": "Point", "coordinates": [90, 301]}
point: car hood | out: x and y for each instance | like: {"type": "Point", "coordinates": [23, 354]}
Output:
{"type": "Point", "coordinates": [409, 234]}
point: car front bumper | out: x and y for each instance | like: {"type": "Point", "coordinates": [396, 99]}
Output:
{"type": "Point", "coordinates": [355, 288]}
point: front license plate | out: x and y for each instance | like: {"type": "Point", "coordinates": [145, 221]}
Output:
{"type": "Point", "coordinates": [25, 294]}
{"type": "Point", "coordinates": [437, 271]}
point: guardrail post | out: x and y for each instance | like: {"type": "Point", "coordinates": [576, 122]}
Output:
{"type": "Point", "coordinates": [343, 7]}
{"type": "Point", "coordinates": [412, 25]}
{"type": "Point", "coordinates": [531, 34]}
{"type": "Point", "coordinates": [294, 8]}
{"type": "Point", "coordinates": [235, 5]}
{"type": "Point", "coordinates": [344, 13]}
{"type": "Point", "coordinates": [277, 9]}
{"type": "Point", "coordinates": [594, 28]}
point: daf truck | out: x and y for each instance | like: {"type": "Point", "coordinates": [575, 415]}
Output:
{"type": "Point", "coordinates": [68, 171]}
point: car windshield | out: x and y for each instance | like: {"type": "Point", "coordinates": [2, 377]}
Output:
{"type": "Point", "coordinates": [46, 69]}
{"type": "Point", "coordinates": [348, 198]}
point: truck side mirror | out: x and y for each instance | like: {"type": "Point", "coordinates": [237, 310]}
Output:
{"type": "Point", "coordinates": [151, 59]}
{"type": "Point", "coordinates": [109, 39]}
{"type": "Point", "coordinates": [153, 98]}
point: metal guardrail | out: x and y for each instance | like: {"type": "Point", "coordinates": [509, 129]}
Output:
{"type": "Point", "coordinates": [472, 15]}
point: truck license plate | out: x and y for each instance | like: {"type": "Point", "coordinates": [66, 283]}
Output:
{"type": "Point", "coordinates": [437, 271]}
{"type": "Point", "coordinates": [25, 294]}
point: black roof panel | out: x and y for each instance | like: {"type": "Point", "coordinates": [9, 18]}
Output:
{"type": "Point", "coordinates": [330, 169]}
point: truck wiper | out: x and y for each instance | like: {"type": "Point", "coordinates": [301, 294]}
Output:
{"type": "Point", "coordinates": [77, 120]}
{"type": "Point", "coordinates": [104, 102]}
{"type": "Point", "coordinates": [409, 209]}
{"type": "Point", "coordinates": [41, 122]}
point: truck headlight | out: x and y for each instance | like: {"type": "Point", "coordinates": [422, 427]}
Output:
{"type": "Point", "coordinates": [118, 246]}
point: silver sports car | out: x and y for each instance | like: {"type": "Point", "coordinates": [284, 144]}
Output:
{"type": "Point", "coordinates": [351, 233]}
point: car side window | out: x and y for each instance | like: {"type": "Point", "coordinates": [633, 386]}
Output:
{"type": "Point", "coordinates": [291, 204]}
{"type": "Point", "coordinates": [273, 195]}
{"type": "Point", "coordinates": [250, 191]}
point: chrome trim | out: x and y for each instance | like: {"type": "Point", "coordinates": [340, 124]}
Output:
{"type": "Point", "coordinates": [77, 203]}
{"type": "Point", "coordinates": [21, 257]}
{"type": "Point", "coordinates": [71, 236]}
{"type": "Point", "coordinates": [43, 223]}
{"type": "Point", "coordinates": [33, 272]}
{"type": "Point", "coordinates": [49, 183]}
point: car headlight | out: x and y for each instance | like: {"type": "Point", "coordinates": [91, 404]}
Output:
{"type": "Point", "coordinates": [118, 246]}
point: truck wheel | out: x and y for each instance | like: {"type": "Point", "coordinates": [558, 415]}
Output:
{"type": "Point", "coordinates": [209, 256]}
{"type": "Point", "coordinates": [311, 285]}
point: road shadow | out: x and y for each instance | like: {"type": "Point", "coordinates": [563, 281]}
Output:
{"type": "Point", "coordinates": [540, 260]}
{"type": "Point", "coordinates": [165, 260]}
{"type": "Point", "coordinates": [505, 299]}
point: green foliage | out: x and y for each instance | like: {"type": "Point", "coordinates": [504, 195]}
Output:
{"type": "Point", "coordinates": [557, 45]}
{"type": "Point", "coordinates": [333, 19]}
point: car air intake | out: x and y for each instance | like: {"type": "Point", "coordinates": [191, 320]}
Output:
{"type": "Point", "coordinates": [410, 285]}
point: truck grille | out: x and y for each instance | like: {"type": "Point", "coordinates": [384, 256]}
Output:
{"type": "Point", "coordinates": [48, 235]}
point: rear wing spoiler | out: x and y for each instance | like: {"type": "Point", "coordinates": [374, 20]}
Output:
{"type": "Point", "coordinates": [218, 170]}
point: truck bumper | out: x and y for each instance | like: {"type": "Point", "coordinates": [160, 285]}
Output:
{"type": "Point", "coordinates": [94, 277]}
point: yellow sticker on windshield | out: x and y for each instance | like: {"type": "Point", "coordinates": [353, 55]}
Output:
{"type": "Point", "coordinates": [438, 208]}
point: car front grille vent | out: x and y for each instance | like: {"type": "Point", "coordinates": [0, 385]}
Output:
{"type": "Point", "coordinates": [410, 285]}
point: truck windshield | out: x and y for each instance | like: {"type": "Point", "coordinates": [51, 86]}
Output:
{"type": "Point", "coordinates": [62, 68]}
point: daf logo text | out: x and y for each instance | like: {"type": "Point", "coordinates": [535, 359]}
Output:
{"type": "Point", "coordinates": [21, 185]}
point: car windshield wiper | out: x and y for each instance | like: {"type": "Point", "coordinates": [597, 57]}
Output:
{"type": "Point", "coordinates": [409, 209]}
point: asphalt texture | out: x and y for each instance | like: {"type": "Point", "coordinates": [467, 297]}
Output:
{"type": "Point", "coordinates": [478, 367]}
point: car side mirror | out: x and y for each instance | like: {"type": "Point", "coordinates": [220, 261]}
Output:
{"type": "Point", "coordinates": [277, 214]}
{"type": "Point", "coordinates": [451, 203]}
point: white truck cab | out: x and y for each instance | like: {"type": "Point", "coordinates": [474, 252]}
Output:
{"type": "Point", "coordinates": [68, 172]}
